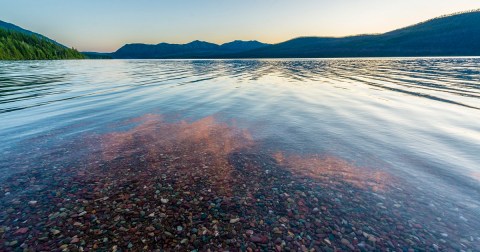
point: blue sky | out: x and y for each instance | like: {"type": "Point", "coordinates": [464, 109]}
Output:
{"type": "Point", "coordinates": [105, 25]}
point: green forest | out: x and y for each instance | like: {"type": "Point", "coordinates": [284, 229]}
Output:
{"type": "Point", "coordinates": [19, 46]}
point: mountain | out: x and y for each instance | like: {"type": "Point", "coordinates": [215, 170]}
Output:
{"type": "Point", "coordinates": [194, 49]}
{"type": "Point", "coordinates": [241, 46]}
{"type": "Point", "coordinates": [19, 44]}
{"type": "Point", "coordinates": [453, 35]}
{"type": "Point", "coordinates": [13, 27]}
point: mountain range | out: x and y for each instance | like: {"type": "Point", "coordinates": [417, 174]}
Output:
{"type": "Point", "coordinates": [452, 35]}
{"type": "Point", "coordinates": [194, 49]}
{"type": "Point", "coordinates": [455, 35]}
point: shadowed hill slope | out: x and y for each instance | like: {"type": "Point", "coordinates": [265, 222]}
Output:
{"type": "Point", "coordinates": [18, 45]}
{"type": "Point", "coordinates": [454, 35]}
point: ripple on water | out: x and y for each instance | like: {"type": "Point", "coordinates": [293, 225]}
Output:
{"type": "Point", "coordinates": [363, 153]}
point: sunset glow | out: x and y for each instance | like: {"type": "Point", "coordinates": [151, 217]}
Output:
{"type": "Point", "coordinates": [107, 25]}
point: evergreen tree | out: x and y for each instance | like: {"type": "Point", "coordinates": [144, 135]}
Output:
{"type": "Point", "coordinates": [19, 46]}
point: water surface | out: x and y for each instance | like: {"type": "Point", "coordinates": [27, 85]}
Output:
{"type": "Point", "coordinates": [373, 153]}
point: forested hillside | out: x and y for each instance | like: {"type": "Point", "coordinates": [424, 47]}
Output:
{"type": "Point", "coordinates": [16, 45]}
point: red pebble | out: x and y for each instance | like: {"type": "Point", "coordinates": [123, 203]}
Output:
{"type": "Point", "coordinates": [21, 231]}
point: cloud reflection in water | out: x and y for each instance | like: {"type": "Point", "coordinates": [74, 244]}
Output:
{"type": "Point", "coordinates": [209, 145]}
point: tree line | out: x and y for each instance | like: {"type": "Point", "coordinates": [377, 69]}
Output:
{"type": "Point", "coordinates": [19, 46]}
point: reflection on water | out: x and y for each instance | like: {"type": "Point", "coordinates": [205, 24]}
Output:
{"type": "Point", "coordinates": [476, 176]}
{"type": "Point", "coordinates": [207, 143]}
{"type": "Point", "coordinates": [362, 154]}
{"type": "Point", "coordinates": [329, 168]}
{"type": "Point", "coordinates": [201, 146]}
{"type": "Point", "coordinates": [437, 79]}
{"type": "Point", "coordinates": [196, 184]}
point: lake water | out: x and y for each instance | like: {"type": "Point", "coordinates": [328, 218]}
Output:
{"type": "Point", "coordinates": [368, 154]}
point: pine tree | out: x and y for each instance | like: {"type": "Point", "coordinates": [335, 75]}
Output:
{"type": "Point", "coordinates": [18, 46]}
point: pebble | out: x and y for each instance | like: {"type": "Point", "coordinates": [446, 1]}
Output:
{"type": "Point", "coordinates": [21, 231]}
{"type": "Point", "coordinates": [347, 243]}
{"type": "Point", "coordinates": [258, 239]}
{"type": "Point", "coordinates": [231, 205]}
{"type": "Point", "coordinates": [277, 230]}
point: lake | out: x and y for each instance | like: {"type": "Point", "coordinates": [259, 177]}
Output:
{"type": "Point", "coordinates": [324, 154]}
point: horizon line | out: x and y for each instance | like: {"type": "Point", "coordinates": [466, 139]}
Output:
{"type": "Point", "coordinates": [298, 37]}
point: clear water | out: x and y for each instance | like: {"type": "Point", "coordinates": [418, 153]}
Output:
{"type": "Point", "coordinates": [406, 125]}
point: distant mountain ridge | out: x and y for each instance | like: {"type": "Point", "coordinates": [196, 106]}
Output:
{"type": "Point", "coordinates": [450, 35]}
{"type": "Point", "coordinates": [454, 35]}
{"type": "Point", "coordinates": [194, 49]}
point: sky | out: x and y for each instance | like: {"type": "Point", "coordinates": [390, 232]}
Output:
{"type": "Point", "coordinates": [106, 25]}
